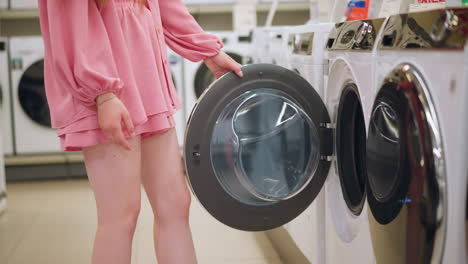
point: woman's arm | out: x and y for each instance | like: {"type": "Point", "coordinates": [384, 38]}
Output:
{"type": "Point", "coordinates": [80, 52]}
{"type": "Point", "coordinates": [184, 35]}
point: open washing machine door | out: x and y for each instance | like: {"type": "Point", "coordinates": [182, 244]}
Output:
{"type": "Point", "coordinates": [257, 147]}
{"type": "Point", "coordinates": [406, 175]}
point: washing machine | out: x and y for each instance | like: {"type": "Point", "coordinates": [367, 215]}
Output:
{"type": "Point", "coordinates": [276, 45]}
{"type": "Point", "coordinates": [306, 52]}
{"type": "Point", "coordinates": [258, 49]}
{"type": "Point", "coordinates": [269, 45]}
{"type": "Point", "coordinates": [5, 105]}
{"type": "Point", "coordinates": [305, 55]}
{"type": "Point", "coordinates": [23, 4]}
{"type": "Point", "coordinates": [177, 72]}
{"type": "Point", "coordinates": [258, 149]}
{"type": "Point", "coordinates": [417, 145]}
{"type": "Point", "coordinates": [349, 99]}
{"type": "Point", "coordinates": [31, 115]}
{"type": "Point", "coordinates": [198, 77]}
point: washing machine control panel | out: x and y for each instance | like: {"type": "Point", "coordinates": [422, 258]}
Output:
{"type": "Point", "coordinates": [438, 29]}
{"type": "Point", "coordinates": [358, 35]}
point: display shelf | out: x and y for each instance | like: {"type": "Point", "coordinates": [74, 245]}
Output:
{"type": "Point", "coordinates": [198, 9]}
{"type": "Point", "coordinates": [54, 158]}
{"type": "Point", "coordinates": [19, 14]}
{"type": "Point", "coordinates": [40, 159]}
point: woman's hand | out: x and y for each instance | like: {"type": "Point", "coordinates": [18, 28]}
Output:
{"type": "Point", "coordinates": [112, 113]}
{"type": "Point", "coordinates": [221, 64]}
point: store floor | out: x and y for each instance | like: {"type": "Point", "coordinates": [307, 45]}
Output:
{"type": "Point", "coordinates": [54, 222]}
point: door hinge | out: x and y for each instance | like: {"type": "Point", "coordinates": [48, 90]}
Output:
{"type": "Point", "coordinates": [327, 141]}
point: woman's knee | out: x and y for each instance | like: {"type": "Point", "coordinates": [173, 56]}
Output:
{"type": "Point", "coordinates": [173, 205]}
{"type": "Point", "coordinates": [123, 217]}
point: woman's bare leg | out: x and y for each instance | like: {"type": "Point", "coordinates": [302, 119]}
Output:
{"type": "Point", "coordinates": [169, 196]}
{"type": "Point", "coordinates": [114, 174]}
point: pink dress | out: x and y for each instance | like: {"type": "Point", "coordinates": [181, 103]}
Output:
{"type": "Point", "coordinates": [119, 48]}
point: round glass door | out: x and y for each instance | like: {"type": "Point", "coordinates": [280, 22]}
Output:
{"type": "Point", "coordinates": [255, 148]}
{"type": "Point", "coordinates": [32, 94]}
{"type": "Point", "coordinates": [273, 147]}
{"type": "Point", "coordinates": [406, 179]}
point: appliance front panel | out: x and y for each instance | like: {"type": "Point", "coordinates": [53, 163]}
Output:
{"type": "Point", "coordinates": [33, 133]}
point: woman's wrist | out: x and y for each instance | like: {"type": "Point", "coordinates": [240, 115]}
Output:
{"type": "Point", "coordinates": [100, 99]}
{"type": "Point", "coordinates": [211, 57]}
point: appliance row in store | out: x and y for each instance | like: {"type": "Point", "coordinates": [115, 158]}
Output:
{"type": "Point", "coordinates": [355, 140]}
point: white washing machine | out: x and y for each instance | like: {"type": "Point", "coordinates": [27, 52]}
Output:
{"type": "Point", "coordinates": [417, 144]}
{"type": "Point", "coordinates": [276, 45]}
{"type": "Point", "coordinates": [258, 152]}
{"type": "Point", "coordinates": [23, 4]}
{"type": "Point", "coordinates": [258, 49]}
{"type": "Point", "coordinates": [306, 52]}
{"type": "Point", "coordinates": [305, 55]}
{"type": "Point", "coordinates": [7, 126]}
{"type": "Point", "coordinates": [32, 124]}
{"type": "Point", "coordinates": [177, 72]}
{"type": "Point", "coordinates": [349, 98]}
{"type": "Point", "coordinates": [197, 75]}
{"type": "Point", "coordinates": [270, 44]}
{"type": "Point", "coordinates": [255, 152]}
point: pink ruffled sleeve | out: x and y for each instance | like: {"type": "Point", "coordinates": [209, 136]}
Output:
{"type": "Point", "coordinates": [184, 35]}
{"type": "Point", "coordinates": [78, 48]}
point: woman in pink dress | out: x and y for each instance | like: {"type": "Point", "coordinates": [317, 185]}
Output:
{"type": "Point", "coordinates": [111, 95]}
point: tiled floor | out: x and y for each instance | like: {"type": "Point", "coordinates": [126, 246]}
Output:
{"type": "Point", "coordinates": [54, 222]}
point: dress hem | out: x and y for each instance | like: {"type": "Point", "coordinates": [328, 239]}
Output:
{"type": "Point", "coordinates": [76, 141]}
